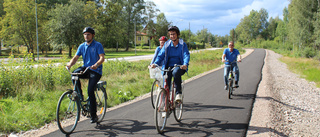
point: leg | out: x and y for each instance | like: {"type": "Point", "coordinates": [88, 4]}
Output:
{"type": "Point", "coordinates": [93, 80]}
{"type": "Point", "coordinates": [237, 74]}
{"type": "Point", "coordinates": [225, 75]}
{"type": "Point", "coordinates": [82, 68]}
{"type": "Point", "coordinates": [177, 73]}
{"type": "Point", "coordinates": [169, 79]}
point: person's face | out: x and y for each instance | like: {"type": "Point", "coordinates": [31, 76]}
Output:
{"type": "Point", "coordinates": [88, 37]}
{"type": "Point", "coordinates": [162, 43]}
{"type": "Point", "coordinates": [231, 46]}
{"type": "Point", "coordinates": [173, 35]}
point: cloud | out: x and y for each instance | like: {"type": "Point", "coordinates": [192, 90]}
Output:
{"type": "Point", "coordinates": [219, 16]}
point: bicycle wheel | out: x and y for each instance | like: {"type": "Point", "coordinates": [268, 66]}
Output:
{"type": "Point", "coordinates": [154, 92]}
{"type": "Point", "coordinates": [160, 111]}
{"type": "Point", "coordinates": [101, 99]}
{"type": "Point", "coordinates": [230, 88]}
{"type": "Point", "coordinates": [178, 108]}
{"type": "Point", "coordinates": [68, 112]}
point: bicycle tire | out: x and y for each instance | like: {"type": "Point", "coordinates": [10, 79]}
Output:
{"type": "Point", "coordinates": [178, 108]}
{"type": "Point", "coordinates": [160, 110]}
{"type": "Point", "coordinates": [230, 88]}
{"type": "Point", "coordinates": [154, 89]}
{"type": "Point", "coordinates": [101, 99]}
{"type": "Point", "coordinates": [68, 109]}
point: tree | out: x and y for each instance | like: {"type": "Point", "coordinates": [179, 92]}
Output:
{"type": "Point", "coordinates": [19, 21]}
{"type": "Point", "coordinates": [131, 12]}
{"type": "Point", "coordinates": [66, 24]}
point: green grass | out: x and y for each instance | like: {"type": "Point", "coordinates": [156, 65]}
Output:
{"type": "Point", "coordinates": [307, 68]}
{"type": "Point", "coordinates": [30, 95]}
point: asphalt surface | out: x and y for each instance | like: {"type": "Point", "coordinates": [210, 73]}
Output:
{"type": "Point", "coordinates": [207, 109]}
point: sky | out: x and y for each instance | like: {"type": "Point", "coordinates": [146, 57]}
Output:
{"type": "Point", "coordinates": [218, 16]}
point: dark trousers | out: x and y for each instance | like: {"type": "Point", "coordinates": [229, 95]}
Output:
{"type": "Point", "coordinates": [94, 78]}
{"type": "Point", "coordinates": [176, 73]}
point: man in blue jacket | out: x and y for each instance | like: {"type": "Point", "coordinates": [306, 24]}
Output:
{"type": "Point", "coordinates": [175, 51]}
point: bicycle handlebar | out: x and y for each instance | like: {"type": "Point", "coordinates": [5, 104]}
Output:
{"type": "Point", "coordinates": [81, 72]}
{"type": "Point", "coordinates": [168, 70]}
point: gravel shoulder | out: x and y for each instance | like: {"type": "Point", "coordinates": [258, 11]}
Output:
{"type": "Point", "coordinates": [285, 104]}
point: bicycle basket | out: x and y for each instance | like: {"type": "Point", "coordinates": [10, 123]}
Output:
{"type": "Point", "coordinates": [154, 72]}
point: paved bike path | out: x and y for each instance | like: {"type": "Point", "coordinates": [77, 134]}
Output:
{"type": "Point", "coordinates": [207, 109]}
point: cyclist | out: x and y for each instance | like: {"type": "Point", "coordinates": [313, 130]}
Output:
{"type": "Point", "coordinates": [93, 56]}
{"type": "Point", "coordinates": [231, 54]}
{"type": "Point", "coordinates": [162, 40]}
{"type": "Point", "coordinates": [175, 51]}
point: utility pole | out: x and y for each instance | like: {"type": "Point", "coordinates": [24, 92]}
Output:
{"type": "Point", "coordinates": [37, 29]}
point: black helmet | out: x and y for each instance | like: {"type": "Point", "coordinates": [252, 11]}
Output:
{"type": "Point", "coordinates": [88, 29]}
{"type": "Point", "coordinates": [175, 28]}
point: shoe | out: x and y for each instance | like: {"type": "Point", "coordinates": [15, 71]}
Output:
{"type": "Point", "coordinates": [164, 114]}
{"type": "Point", "coordinates": [236, 85]}
{"type": "Point", "coordinates": [226, 87]}
{"type": "Point", "coordinates": [178, 97]}
{"type": "Point", "coordinates": [94, 119]}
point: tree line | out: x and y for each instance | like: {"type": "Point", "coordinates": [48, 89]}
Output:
{"type": "Point", "coordinates": [298, 31]}
{"type": "Point", "coordinates": [60, 23]}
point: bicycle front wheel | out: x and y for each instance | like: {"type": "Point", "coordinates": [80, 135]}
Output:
{"type": "Point", "coordinates": [230, 88]}
{"type": "Point", "coordinates": [178, 108]}
{"type": "Point", "coordinates": [160, 111]}
{"type": "Point", "coordinates": [68, 112]}
{"type": "Point", "coordinates": [101, 99]}
{"type": "Point", "coordinates": [154, 92]}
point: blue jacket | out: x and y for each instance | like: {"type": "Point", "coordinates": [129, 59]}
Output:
{"type": "Point", "coordinates": [163, 54]}
{"type": "Point", "coordinates": [156, 55]}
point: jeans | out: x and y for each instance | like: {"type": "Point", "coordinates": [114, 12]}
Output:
{"type": "Point", "coordinates": [94, 78]}
{"type": "Point", "coordinates": [176, 73]}
{"type": "Point", "coordinates": [227, 69]}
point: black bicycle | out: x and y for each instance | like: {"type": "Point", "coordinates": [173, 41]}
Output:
{"type": "Point", "coordinates": [231, 79]}
{"type": "Point", "coordinates": [71, 104]}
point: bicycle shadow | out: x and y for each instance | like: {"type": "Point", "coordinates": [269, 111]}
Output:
{"type": "Point", "coordinates": [192, 106]}
{"type": "Point", "coordinates": [237, 96]}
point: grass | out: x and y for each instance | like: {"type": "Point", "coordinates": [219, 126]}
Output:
{"type": "Point", "coordinates": [29, 95]}
{"type": "Point", "coordinates": [307, 68]}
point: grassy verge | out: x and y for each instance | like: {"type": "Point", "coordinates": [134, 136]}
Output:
{"type": "Point", "coordinates": [29, 95]}
{"type": "Point", "coordinates": [307, 68]}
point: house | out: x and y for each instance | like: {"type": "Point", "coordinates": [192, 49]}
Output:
{"type": "Point", "coordinates": [142, 37]}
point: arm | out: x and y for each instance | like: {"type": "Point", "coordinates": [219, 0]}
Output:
{"type": "Point", "coordinates": [73, 61]}
{"type": "Point", "coordinates": [99, 62]}
{"type": "Point", "coordinates": [223, 58]}
{"type": "Point", "coordinates": [186, 57]}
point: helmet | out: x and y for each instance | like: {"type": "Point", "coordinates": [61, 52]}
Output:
{"type": "Point", "coordinates": [163, 38]}
{"type": "Point", "coordinates": [88, 29]}
{"type": "Point", "coordinates": [174, 28]}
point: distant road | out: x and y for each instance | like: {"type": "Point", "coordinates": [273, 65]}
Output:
{"type": "Point", "coordinates": [131, 58]}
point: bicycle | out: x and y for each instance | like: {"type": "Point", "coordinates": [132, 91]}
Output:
{"type": "Point", "coordinates": [165, 104]}
{"type": "Point", "coordinates": [156, 74]}
{"type": "Point", "coordinates": [71, 103]}
{"type": "Point", "coordinates": [231, 79]}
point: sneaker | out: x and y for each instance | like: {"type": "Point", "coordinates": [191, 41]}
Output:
{"type": "Point", "coordinates": [178, 97]}
{"type": "Point", "coordinates": [236, 85]}
{"type": "Point", "coordinates": [94, 119]}
{"type": "Point", "coordinates": [164, 114]}
{"type": "Point", "coordinates": [226, 87]}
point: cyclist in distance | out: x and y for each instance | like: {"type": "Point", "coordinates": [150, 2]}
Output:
{"type": "Point", "coordinates": [93, 56]}
{"type": "Point", "coordinates": [175, 51]}
{"type": "Point", "coordinates": [162, 40]}
{"type": "Point", "coordinates": [230, 55]}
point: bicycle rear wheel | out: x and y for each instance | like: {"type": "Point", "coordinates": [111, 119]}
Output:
{"type": "Point", "coordinates": [68, 112]}
{"type": "Point", "coordinates": [101, 99]}
{"type": "Point", "coordinates": [178, 108]}
{"type": "Point", "coordinates": [160, 111]}
{"type": "Point", "coordinates": [154, 92]}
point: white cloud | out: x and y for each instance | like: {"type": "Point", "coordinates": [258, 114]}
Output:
{"type": "Point", "coordinates": [219, 16]}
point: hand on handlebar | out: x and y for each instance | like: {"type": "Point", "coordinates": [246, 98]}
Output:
{"type": "Point", "coordinates": [184, 67]}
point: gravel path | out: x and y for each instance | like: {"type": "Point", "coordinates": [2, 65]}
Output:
{"type": "Point", "coordinates": [286, 105]}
